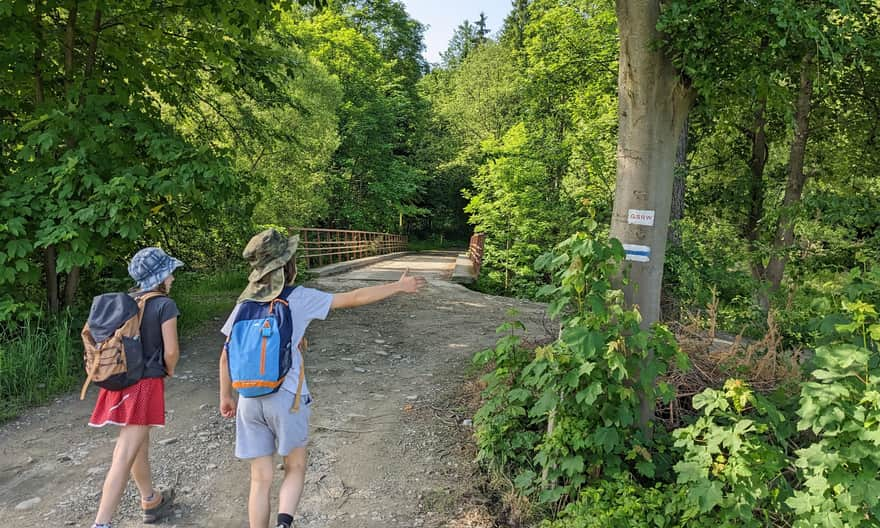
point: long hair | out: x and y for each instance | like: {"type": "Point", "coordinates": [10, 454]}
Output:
{"type": "Point", "coordinates": [161, 288]}
{"type": "Point", "coordinates": [290, 270]}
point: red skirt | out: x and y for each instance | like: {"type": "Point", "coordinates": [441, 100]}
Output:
{"type": "Point", "coordinates": [140, 404]}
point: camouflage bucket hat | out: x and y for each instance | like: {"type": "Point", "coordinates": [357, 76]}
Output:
{"type": "Point", "coordinates": [267, 253]}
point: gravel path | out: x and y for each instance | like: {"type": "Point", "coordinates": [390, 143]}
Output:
{"type": "Point", "coordinates": [391, 441]}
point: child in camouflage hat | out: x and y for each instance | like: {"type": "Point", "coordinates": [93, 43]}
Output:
{"type": "Point", "coordinates": [267, 425]}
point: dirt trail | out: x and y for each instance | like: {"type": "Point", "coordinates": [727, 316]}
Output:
{"type": "Point", "coordinates": [390, 441]}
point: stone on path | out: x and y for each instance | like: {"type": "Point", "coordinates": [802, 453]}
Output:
{"type": "Point", "coordinates": [28, 504]}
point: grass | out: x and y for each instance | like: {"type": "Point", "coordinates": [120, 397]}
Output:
{"type": "Point", "coordinates": [38, 359]}
{"type": "Point", "coordinates": [201, 298]}
{"type": "Point", "coordinates": [41, 358]}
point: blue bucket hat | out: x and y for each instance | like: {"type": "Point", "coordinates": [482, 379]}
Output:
{"type": "Point", "coordinates": [150, 266]}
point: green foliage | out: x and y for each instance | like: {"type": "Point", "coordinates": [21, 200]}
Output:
{"type": "Point", "coordinates": [736, 460]}
{"type": "Point", "coordinates": [707, 266]}
{"type": "Point", "coordinates": [440, 242]}
{"type": "Point", "coordinates": [571, 408]}
{"type": "Point", "coordinates": [505, 435]}
{"type": "Point", "coordinates": [373, 51]}
{"type": "Point", "coordinates": [511, 206]}
{"type": "Point", "coordinates": [180, 126]}
{"type": "Point", "coordinates": [38, 359]}
{"type": "Point", "coordinates": [733, 456]}
{"type": "Point", "coordinates": [91, 165]}
{"type": "Point", "coordinates": [184, 125]}
{"type": "Point", "coordinates": [840, 469]}
{"type": "Point", "coordinates": [469, 104]}
{"type": "Point", "coordinates": [203, 298]}
{"type": "Point", "coordinates": [531, 122]}
{"type": "Point", "coordinates": [746, 61]}
{"type": "Point", "coordinates": [620, 502]}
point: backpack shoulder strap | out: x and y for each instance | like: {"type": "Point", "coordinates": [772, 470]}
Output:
{"type": "Point", "coordinates": [302, 376]}
{"type": "Point", "coordinates": [142, 299]}
{"type": "Point", "coordinates": [142, 303]}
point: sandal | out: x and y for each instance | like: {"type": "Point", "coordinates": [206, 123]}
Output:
{"type": "Point", "coordinates": [158, 507]}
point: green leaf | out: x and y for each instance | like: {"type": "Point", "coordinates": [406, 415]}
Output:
{"type": "Point", "coordinates": [518, 395]}
{"type": "Point", "coordinates": [709, 400]}
{"type": "Point", "coordinates": [572, 465]}
{"type": "Point", "coordinates": [546, 403]}
{"type": "Point", "coordinates": [874, 331]}
{"type": "Point", "coordinates": [524, 479]}
{"type": "Point", "coordinates": [608, 438]}
{"type": "Point", "coordinates": [588, 395]}
{"type": "Point", "coordinates": [708, 494]}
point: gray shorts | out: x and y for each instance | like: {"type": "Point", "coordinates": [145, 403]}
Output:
{"type": "Point", "coordinates": [265, 426]}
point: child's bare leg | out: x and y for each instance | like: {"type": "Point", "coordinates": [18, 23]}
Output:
{"type": "Point", "coordinates": [259, 502]}
{"type": "Point", "coordinates": [294, 477]}
{"type": "Point", "coordinates": [140, 469]}
{"type": "Point", "coordinates": [131, 438]}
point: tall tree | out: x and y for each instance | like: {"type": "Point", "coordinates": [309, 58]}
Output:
{"type": "Point", "coordinates": [92, 164]}
{"type": "Point", "coordinates": [514, 28]}
{"type": "Point", "coordinates": [539, 170]}
{"type": "Point", "coordinates": [763, 58]}
{"type": "Point", "coordinates": [482, 29]}
{"type": "Point", "coordinates": [464, 40]}
{"type": "Point", "coordinates": [374, 179]}
{"type": "Point", "coordinates": [654, 100]}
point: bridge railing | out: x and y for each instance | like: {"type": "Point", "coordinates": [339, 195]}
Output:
{"type": "Point", "coordinates": [475, 251]}
{"type": "Point", "coordinates": [321, 246]}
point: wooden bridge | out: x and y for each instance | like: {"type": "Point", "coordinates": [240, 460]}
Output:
{"type": "Point", "coordinates": [331, 251]}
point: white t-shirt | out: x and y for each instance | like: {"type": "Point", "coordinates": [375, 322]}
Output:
{"type": "Point", "coordinates": [306, 305]}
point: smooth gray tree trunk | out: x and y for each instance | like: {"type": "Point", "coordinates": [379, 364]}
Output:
{"type": "Point", "coordinates": [652, 108]}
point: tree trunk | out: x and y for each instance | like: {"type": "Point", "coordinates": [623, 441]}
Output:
{"type": "Point", "coordinates": [69, 41]}
{"type": "Point", "coordinates": [757, 162]}
{"type": "Point", "coordinates": [796, 176]}
{"type": "Point", "coordinates": [39, 90]}
{"type": "Point", "coordinates": [679, 181]}
{"type": "Point", "coordinates": [49, 255]}
{"type": "Point", "coordinates": [652, 108]}
{"type": "Point", "coordinates": [71, 286]}
{"type": "Point", "coordinates": [91, 55]}
{"type": "Point", "coordinates": [51, 259]}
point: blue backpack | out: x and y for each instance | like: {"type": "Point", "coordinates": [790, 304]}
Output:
{"type": "Point", "coordinates": [258, 348]}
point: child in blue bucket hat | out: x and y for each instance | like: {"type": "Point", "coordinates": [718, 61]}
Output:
{"type": "Point", "coordinates": [141, 406]}
{"type": "Point", "coordinates": [277, 423]}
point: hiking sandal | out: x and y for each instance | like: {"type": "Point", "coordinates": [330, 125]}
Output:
{"type": "Point", "coordinates": [158, 507]}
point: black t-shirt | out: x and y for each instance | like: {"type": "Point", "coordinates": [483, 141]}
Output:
{"type": "Point", "coordinates": [157, 311]}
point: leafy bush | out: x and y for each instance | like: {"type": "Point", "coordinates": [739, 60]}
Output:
{"type": "Point", "coordinates": [708, 263]}
{"type": "Point", "coordinates": [574, 404]}
{"type": "Point", "coordinates": [623, 503]}
{"type": "Point", "coordinates": [506, 436]}
{"type": "Point", "coordinates": [841, 469]}
{"type": "Point", "coordinates": [736, 461]}
{"type": "Point", "coordinates": [733, 456]}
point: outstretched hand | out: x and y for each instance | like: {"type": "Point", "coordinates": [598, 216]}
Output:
{"type": "Point", "coordinates": [411, 283]}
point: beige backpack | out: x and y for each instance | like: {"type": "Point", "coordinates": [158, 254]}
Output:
{"type": "Point", "coordinates": [113, 352]}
